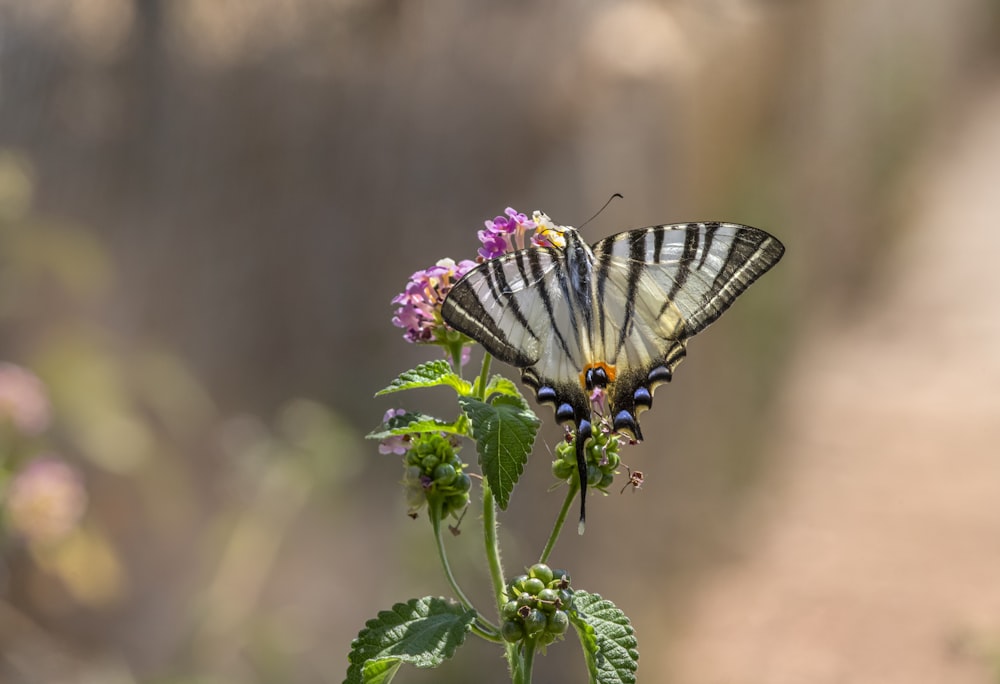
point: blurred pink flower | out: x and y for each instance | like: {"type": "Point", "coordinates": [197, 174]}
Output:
{"type": "Point", "coordinates": [45, 501]}
{"type": "Point", "coordinates": [23, 400]}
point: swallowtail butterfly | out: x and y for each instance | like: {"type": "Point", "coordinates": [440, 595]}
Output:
{"type": "Point", "coordinates": [614, 315]}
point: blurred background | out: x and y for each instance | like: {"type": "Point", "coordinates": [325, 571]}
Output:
{"type": "Point", "coordinates": [206, 207]}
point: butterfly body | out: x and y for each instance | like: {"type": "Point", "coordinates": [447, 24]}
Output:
{"type": "Point", "coordinates": [615, 315]}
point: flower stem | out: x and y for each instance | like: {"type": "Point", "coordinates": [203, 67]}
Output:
{"type": "Point", "coordinates": [483, 375]}
{"type": "Point", "coordinates": [492, 545]}
{"type": "Point", "coordinates": [456, 358]}
{"type": "Point", "coordinates": [487, 630]}
{"type": "Point", "coordinates": [574, 487]}
{"type": "Point", "coordinates": [527, 661]}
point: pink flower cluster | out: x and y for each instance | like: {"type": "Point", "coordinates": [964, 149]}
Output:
{"type": "Point", "coordinates": [418, 309]}
{"type": "Point", "coordinates": [46, 500]}
{"type": "Point", "coordinates": [507, 233]}
{"type": "Point", "coordinates": [23, 400]}
{"type": "Point", "coordinates": [504, 234]}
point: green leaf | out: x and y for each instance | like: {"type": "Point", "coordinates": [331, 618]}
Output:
{"type": "Point", "coordinates": [430, 374]}
{"type": "Point", "coordinates": [504, 430]}
{"type": "Point", "coordinates": [380, 671]}
{"type": "Point", "coordinates": [423, 632]}
{"type": "Point", "coordinates": [409, 423]}
{"type": "Point", "coordinates": [498, 384]}
{"type": "Point", "coordinates": [607, 637]}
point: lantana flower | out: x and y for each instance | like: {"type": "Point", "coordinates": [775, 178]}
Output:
{"type": "Point", "coordinates": [505, 234]}
{"type": "Point", "coordinates": [418, 309]}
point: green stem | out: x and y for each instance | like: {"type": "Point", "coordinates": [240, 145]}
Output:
{"type": "Point", "coordinates": [487, 629]}
{"type": "Point", "coordinates": [456, 358]}
{"type": "Point", "coordinates": [492, 545]}
{"type": "Point", "coordinates": [483, 375]}
{"type": "Point", "coordinates": [527, 661]}
{"type": "Point", "coordinates": [574, 487]}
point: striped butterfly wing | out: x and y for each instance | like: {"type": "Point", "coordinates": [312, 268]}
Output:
{"type": "Point", "coordinates": [520, 308]}
{"type": "Point", "coordinates": [656, 287]}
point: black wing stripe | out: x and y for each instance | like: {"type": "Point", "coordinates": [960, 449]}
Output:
{"type": "Point", "coordinates": [637, 256]}
{"type": "Point", "coordinates": [495, 269]}
{"type": "Point", "coordinates": [660, 233]}
{"type": "Point", "coordinates": [750, 255]}
{"type": "Point", "coordinates": [543, 292]}
{"type": "Point", "coordinates": [692, 235]}
{"type": "Point", "coordinates": [465, 312]}
{"type": "Point", "coordinates": [710, 229]}
{"type": "Point", "coordinates": [602, 271]}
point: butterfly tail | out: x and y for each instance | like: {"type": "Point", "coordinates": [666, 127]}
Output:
{"type": "Point", "coordinates": [583, 433]}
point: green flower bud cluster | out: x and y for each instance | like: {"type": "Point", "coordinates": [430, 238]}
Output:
{"type": "Point", "coordinates": [602, 459]}
{"type": "Point", "coordinates": [434, 472]}
{"type": "Point", "coordinates": [536, 606]}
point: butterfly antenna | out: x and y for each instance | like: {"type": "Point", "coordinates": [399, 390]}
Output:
{"type": "Point", "coordinates": [617, 195]}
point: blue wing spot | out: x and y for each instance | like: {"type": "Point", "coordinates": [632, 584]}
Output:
{"type": "Point", "coordinates": [565, 412]}
{"type": "Point", "coordinates": [624, 420]}
{"type": "Point", "coordinates": [660, 374]}
{"type": "Point", "coordinates": [546, 393]}
{"type": "Point", "coordinates": [643, 397]}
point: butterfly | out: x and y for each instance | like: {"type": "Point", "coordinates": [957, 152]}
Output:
{"type": "Point", "coordinates": [613, 315]}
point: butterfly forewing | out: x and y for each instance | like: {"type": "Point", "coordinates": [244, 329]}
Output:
{"type": "Point", "coordinates": [516, 307]}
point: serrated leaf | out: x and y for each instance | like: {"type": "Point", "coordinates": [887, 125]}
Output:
{"type": "Point", "coordinates": [380, 671]}
{"type": "Point", "coordinates": [607, 637]}
{"type": "Point", "coordinates": [504, 430]}
{"type": "Point", "coordinates": [430, 374]}
{"type": "Point", "coordinates": [498, 384]}
{"type": "Point", "coordinates": [410, 423]}
{"type": "Point", "coordinates": [422, 632]}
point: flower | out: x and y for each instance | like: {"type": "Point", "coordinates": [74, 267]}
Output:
{"type": "Point", "coordinates": [419, 305]}
{"type": "Point", "coordinates": [394, 444]}
{"type": "Point", "coordinates": [547, 233]}
{"type": "Point", "coordinates": [494, 244]}
{"type": "Point", "coordinates": [504, 234]}
{"type": "Point", "coordinates": [23, 400]}
{"type": "Point", "coordinates": [46, 500]}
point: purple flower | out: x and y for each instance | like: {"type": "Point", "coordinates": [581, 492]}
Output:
{"type": "Point", "coordinates": [504, 234]}
{"type": "Point", "coordinates": [494, 244]}
{"type": "Point", "coordinates": [418, 309]}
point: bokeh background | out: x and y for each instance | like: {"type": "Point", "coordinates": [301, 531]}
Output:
{"type": "Point", "coordinates": [207, 205]}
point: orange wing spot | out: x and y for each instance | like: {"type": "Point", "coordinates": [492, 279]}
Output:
{"type": "Point", "coordinates": [609, 371]}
